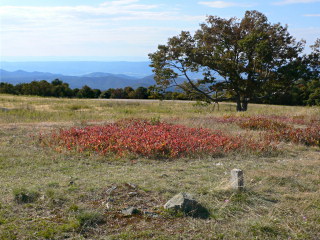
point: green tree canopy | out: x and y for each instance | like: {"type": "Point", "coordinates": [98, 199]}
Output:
{"type": "Point", "coordinates": [85, 92]}
{"type": "Point", "coordinates": [246, 59]}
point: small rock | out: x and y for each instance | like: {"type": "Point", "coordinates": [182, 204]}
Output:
{"type": "Point", "coordinates": [186, 203]}
{"type": "Point", "coordinates": [130, 211]}
{"type": "Point", "coordinates": [132, 185]}
{"type": "Point", "coordinates": [131, 194]}
{"type": "Point", "coordinates": [164, 175]}
{"type": "Point", "coordinates": [180, 201]}
{"type": "Point", "coordinates": [108, 206]}
{"type": "Point", "coordinates": [110, 190]}
{"type": "Point", "coordinates": [151, 214]}
{"type": "Point", "coordinates": [237, 179]}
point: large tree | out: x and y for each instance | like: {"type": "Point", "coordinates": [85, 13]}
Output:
{"type": "Point", "coordinates": [245, 59]}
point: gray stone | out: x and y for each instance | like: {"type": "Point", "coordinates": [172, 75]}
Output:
{"type": "Point", "coordinates": [237, 180]}
{"type": "Point", "coordinates": [110, 190]}
{"type": "Point", "coordinates": [151, 214]}
{"type": "Point", "coordinates": [187, 204]}
{"type": "Point", "coordinates": [164, 175]}
{"type": "Point", "coordinates": [180, 201]}
{"type": "Point", "coordinates": [134, 186]}
{"type": "Point", "coordinates": [130, 211]}
{"type": "Point", "coordinates": [132, 194]}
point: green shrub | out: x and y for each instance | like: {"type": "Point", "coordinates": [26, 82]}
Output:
{"type": "Point", "coordinates": [74, 208]}
{"type": "Point", "coordinates": [22, 195]}
{"type": "Point", "coordinates": [75, 107]}
{"type": "Point", "coordinates": [90, 219]}
{"type": "Point", "coordinates": [269, 231]}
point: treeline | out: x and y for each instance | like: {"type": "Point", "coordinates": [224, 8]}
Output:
{"type": "Point", "coordinates": [58, 88]}
{"type": "Point", "coordinates": [301, 93]}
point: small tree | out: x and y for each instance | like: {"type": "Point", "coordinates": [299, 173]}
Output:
{"type": "Point", "coordinates": [105, 94]}
{"type": "Point", "coordinates": [117, 93]}
{"type": "Point", "coordinates": [155, 92]}
{"type": "Point", "coordinates": [248, 58]}
{"type": "Point", "coordinates": [7, 88]}
{"type": "Point", "coordinates": [128, 92]}
{"type": "Point", "coordinates": [60, 89]}
{"type": "Point", "coordinates": [85, 92]}
{"type": "Point", "coordinates": [140, 93]}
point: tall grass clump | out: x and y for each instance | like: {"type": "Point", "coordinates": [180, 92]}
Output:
{"type": "Point", "coordinates": [23, 195]}
{"type": "Point", "coordinates": [90, 219]}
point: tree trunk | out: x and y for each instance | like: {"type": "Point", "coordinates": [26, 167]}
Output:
{"type": "Point", "coordinates": [242, 105]}
{"type": "Point", "coordinates": [239, 107]}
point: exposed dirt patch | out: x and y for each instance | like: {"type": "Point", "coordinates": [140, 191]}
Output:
{"type": "Point", "coordinates": [151, 215]}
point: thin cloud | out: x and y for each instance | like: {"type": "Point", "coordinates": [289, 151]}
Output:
{"type": "Point", "coordinates": [119, 2]}
{"type": "Point", "coordinates": [312, 15]}
{"type": "Point", "coordinates": [308, 33]}
{"type": "Point", "coordinates": [121, 27]}
{"type": "Point", "coordinates": [287, 2]}
{"type": "Point", "coordinates": [224, 4]}
{"type": "Point", "coordinates": [114, 10]}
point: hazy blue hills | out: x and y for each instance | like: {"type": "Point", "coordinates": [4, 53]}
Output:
{"type": "Point", "coordinates": [79, 68]}
{"type": "Point", "coordinates": [98, 80]}
{"type": "Point", "coordinates": [101, 75]}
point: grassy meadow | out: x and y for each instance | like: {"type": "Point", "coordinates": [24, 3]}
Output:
{"type": "Point", "coordinates": [50, 194]}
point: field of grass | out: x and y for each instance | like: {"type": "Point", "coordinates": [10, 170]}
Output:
{"type": "Point", "coordinates": [51, 194]}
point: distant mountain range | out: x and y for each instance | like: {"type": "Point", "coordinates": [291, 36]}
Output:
{"type": "Point", "coordinates": [100, 80]}
{"type": "Point", "coordinates": [101, 75]}
{"type": "Point", "coordinates": [79, 68]}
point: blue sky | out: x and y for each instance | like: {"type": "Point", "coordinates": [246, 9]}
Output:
{"type": "Point", "coordinates": [127, 29]}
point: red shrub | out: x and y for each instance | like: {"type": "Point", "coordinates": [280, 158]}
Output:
{"type": "Point", "coordinates": [150, 140]}
{"type": "Point", "coordinates": [278, 129]}
{"type": "Point", "coordinates": [260, 123]}
{"type": "Point", "coordinates": [309, 136]}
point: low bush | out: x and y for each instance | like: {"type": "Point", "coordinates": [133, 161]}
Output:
{"type": "Point", "coordinates": [149, 139]}
{"type": "Point", "coordinates": [261, 123]}
{"type": "Point", "coordinates": [90, 219]}
{"type": "Point", "coordinates": [22, 195]}
{"type": "Point", "coordinates": [309, 136]}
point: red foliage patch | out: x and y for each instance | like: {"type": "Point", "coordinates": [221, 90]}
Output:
{"type": "Point", "coordinates": [261, 123]}
{"type": "Point", "coordinates": [309, 136]}
{"type": "Point", "coordinates": [140, 137]}
{"type": "Point", "coordinates": [280, 128]}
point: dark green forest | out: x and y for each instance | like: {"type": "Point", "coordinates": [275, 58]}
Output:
{"type": "Point", "coordinates": [58, 88]}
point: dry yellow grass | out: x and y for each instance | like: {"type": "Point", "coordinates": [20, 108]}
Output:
{"type": "Point", "coordinates": [281, 200]}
